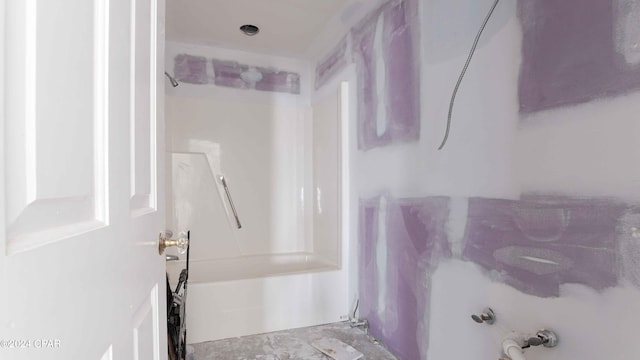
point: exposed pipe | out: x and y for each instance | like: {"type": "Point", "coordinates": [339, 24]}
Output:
{"type": "Point", "coordinates": [512, 350]}
{"type": "Point", "coordinates": [464, 71]}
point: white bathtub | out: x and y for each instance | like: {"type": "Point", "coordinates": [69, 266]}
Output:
{"type": "Point", "coordinates": [251, 267]}
{"type": "Point", "coordinates": [236, 297]}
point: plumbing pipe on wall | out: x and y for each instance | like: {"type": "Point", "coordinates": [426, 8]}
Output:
{"type": "Point", "coordinates": [512, 350]}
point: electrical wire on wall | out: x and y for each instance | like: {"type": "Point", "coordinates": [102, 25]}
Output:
{"type": "Point", "coordinates": [464, 71]}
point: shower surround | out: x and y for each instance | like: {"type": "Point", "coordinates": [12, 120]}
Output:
{"type": "Point", "coordinates": [244, 119]}
{"type": "Point", "coordinates": [561, 254]}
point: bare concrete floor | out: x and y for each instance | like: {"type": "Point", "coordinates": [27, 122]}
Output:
{"type": "Point", "coordinates": [290, 345]}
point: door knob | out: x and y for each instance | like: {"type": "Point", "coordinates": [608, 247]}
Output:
{"type": "Point", "coordinates": [165, 241]}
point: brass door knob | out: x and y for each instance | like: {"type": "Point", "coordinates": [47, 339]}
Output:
{"type": "Point", "coordinates": [165, 241]}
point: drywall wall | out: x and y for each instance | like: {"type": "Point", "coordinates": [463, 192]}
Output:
{"type": "Point", "coordinates": [531, 206]}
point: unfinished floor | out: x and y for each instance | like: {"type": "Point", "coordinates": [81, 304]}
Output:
{"type": "Point", "coordinates": [290, 345]}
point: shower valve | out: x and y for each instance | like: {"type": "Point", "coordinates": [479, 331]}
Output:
{"type": "Point", "coordinates": [546, 338]}
{"type": "Point", "coordinates": [487, 316]}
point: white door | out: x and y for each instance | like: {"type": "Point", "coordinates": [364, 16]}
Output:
{"type": "Point", "coordinates": [81, 180]}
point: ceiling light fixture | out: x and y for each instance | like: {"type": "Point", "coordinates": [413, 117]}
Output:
{"type": "Point", "coordinates": [249, 29]}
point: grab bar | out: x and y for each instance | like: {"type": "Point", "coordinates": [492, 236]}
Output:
{"type": "Point", "coordinates": [233, 208]}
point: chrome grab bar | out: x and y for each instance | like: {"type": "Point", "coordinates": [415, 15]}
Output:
{"type": "Point", "coordinates": [233, 208]}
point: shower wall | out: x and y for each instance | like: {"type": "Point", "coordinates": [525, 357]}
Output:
{"type": "Point", "coordinates": [255, 135]}
{"type": "Point", "coordinates": [532, 206]}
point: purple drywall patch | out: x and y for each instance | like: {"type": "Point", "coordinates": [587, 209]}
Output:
{"type": "Point", "coordinates": [540, 242]}
{"type": "Point", "coordinates": [417, 240]}
{"type": "Point", "coordinates": [393, 96]}
{"type": "Point", "coordinates": [629, 245]}
{"type": "Point", "coordinates": [335, 61]}
{"type": "Point", "coordinates": [278, 81]}
{"type": "Point", "coordinates": [242, 76]}
{"type": "Point", "coordinates": [191, 69]}
{"type": "Point", "coordinates": [570, 53]}
{"type": "Point", "coordinates": [368, 279]}
{"type": "Point", "coordinates": [227, 74]}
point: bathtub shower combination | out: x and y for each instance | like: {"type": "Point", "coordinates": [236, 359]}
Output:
{"type": "Point", "coordinates": [258, 182]}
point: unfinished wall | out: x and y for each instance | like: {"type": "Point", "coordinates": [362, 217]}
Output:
{"type": "Point", "coordinates": [531, 206]}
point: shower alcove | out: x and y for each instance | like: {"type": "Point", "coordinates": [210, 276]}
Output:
{"type": "Point", "coordinates": [280, 156]}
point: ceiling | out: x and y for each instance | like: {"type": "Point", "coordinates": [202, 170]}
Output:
{"type": "Point", "coordinates": [287, 27]}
